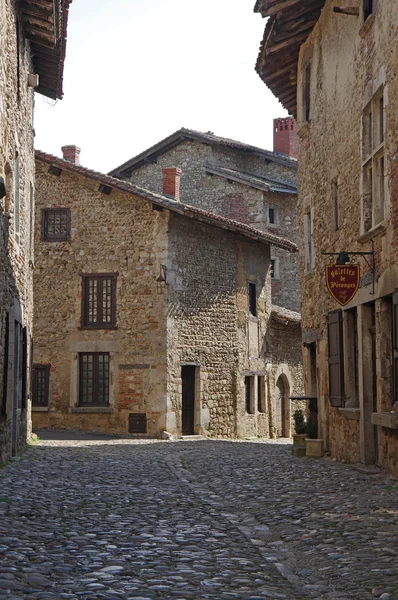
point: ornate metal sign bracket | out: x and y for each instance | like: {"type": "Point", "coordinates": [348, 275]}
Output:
{"type": "Point", "coordinates": [345, 257]}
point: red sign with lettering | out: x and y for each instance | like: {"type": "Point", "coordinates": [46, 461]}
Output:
{"type": "Point", "coordinates": [342, 282]}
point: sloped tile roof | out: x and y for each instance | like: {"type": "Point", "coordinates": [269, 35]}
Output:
{"type": "Point", "coordinates": [256, 181]}
{"type": "Point", "coordinates": [182, 135]}
{"type": "Point", "coordinates": [169, 204]}
{"type": "Point", "coordinates": [284, 315]}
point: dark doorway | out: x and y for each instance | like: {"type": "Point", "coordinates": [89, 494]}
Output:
{"type": "Point", "coordinates": [280, 407]}
{"type": "Point", "coordinates": [188, 399]}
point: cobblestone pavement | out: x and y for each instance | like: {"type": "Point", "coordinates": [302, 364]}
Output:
{"type": "Point", "coordinates": [217, 520]}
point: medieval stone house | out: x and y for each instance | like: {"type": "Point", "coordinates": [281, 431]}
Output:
{"type": "Point", "coordinates": [256, 187]}
{"type": "Point", "coordinates": [335, 67]}
{"type": "Point", "coordinates": [150, 314]}
{"type": "Point", "coordinates": [32, 53]}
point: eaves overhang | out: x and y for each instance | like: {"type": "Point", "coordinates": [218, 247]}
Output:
{"type": "Point", "coordinates": [289, 25]}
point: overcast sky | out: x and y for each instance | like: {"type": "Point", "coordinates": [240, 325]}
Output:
{"type": "Point", "coordinates": [138, 70]}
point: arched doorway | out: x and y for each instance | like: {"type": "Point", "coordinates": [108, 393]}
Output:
{"type": "Point", "coordinates": [282, 407]}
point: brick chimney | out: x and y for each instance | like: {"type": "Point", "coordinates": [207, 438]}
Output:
{"type": "Point", "coordinates": [171, 182]}
{"type": "Point", "coordinates": [285, 137]}
{"type": "Point", "coordinates": [71, 153]}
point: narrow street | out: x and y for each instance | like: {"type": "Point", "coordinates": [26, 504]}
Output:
{"type": "Point", "coordinates": [116, 518]}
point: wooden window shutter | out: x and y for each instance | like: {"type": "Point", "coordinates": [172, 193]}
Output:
{"type": "Point", "coordinates": [335, 348]}
{"type": "Point", "coordinates": [395, 344]}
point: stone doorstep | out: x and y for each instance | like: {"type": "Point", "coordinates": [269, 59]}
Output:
{"type": "Point", "coordinates": [192, 438]}
{"type": "Point", "coordinates": [368, 470]}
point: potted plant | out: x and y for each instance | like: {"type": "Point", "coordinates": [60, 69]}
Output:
{"type": "Point", "coordinates": [313, 445]}
{"type": "Point", "coordinates": [300, 428]}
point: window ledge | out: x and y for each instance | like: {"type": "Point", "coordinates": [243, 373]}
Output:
{"type": "Point", "coordinates": [385, 419]}
{"type": "Point", "coordinates": [378, 229]}
{"type": "Point", "coordinates": [350, 413]}
{"type": "Point", "coordinates": [40, 409]}
{"type": "Point", "coordinates": [367, 26]}
{"type": "Point", "coordinates": [92, 409]}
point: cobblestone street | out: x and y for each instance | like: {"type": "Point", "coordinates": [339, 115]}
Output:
{"type": "Point", "coordinates": [91, 519]}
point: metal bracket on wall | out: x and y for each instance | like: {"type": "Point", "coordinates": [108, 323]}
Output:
{"type": "Point", "coordinates": [344, 257]}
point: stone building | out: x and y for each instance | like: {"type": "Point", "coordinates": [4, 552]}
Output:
{"type": "Point", "coordinates": [333, 65]}
{"type": "Point", "coordinates": [256, 187]}
{"type": "Point", "coordinates": [150, 314]}
{"type": "Point", "coordinates": [241, 182]}
{"type": "Point", "coordinates": [32, 53]}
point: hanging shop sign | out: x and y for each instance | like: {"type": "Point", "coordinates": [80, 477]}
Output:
{"type": "Point", "coordinates": [342, 282]}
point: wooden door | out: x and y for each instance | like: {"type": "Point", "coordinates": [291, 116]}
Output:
{"type": "Point", "coordinates": [279, 407]}
{"type": "Point", "coordinates": [188, 399]}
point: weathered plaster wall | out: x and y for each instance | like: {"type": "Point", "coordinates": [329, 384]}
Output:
{"type": "Point", "coordinates": [16, 137]}
{"type": "Point", "coordinates": [349, 62]}
{"type": "Point", "coordinates": [109, 234]}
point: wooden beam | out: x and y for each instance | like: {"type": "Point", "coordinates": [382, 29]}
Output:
{"type": "Point", "coordinates": [295, 40]}
{"type": "Point", "coordinates": [350, 10]}
{"type": "Point", "coordinates": [277, 5]}
{"type": "Point", "coordinates": [39, 37]}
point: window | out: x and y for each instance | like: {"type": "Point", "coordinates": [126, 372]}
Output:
{"type": "Point", "coordinates": [335, 350]}
{"type": "Point", "coordinates": [260, 393]}
{"type": "Point", "coordinates": [94, 379]}
{"type": "Point", "coordinates": [40, 385]}
{"type": "Point", "coordinates": [273, 216]}
{"type": "Point", "coordinates": [274, 266]}
{"type": "Point", "coordinates": [373, 168]}
{"type": "Point", "coordinates": [16, 200]}
{"type": "Point", "coordinates": [252, 299]}
{"type": "Point", "coordinates": [350, 345]}
{"type": "Point", "coordinates": [6, 358]}
{"type": "Point", "coordinates": [99, 301]}
{"type": "Point", "coordinates": [308, 240]}
{"type": "Point", "coordinates": [56, 224]}
{"type": "Point", "coordinates": [306, 92]}
{"type": "Point", "coordinates": [32, 218]}
{"type": "Point", "coordinates": [367, 8]}
{"type": "Point", "coordinates": [249, 393]}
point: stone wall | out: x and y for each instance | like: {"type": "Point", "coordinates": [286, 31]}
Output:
{"type": "Point", "coordinates": [119, 234]}
{"type": "Point", "coordinates": [209, 325]}
{"type": "Point", "coordinates": [350, 62]}
{"type": "Point", "coordinates": [16, 250]}
{"type": "Point", "coordinates": [235, 200]}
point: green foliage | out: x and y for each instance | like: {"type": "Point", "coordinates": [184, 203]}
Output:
{"type": "Point", "coordinates": [300, 426]}
{"type": "Point", "coordinates": [312, 427]}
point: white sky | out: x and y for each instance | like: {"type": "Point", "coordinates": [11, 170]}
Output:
{"type": "Point", "coordinates": [138, 70]}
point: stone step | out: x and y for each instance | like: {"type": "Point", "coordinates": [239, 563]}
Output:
{"type": "Point", "coordinates": [192, 438]}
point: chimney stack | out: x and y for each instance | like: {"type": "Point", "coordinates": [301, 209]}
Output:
{"type": "Point", "coordinates": [285, 137]}
{"type": "Point", "coordinates": [71, 153]}
{"type": "Point", "coordinates": [171, 182]}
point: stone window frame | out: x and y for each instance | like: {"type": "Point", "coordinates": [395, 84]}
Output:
{"type": "Point", "coordinates": [249, 386]}
{"type": "Point", "coordinates": [261, 408]}
{"type": "Point", "coordinates": [46, 213]}
{"type": "Point", "coordinates": [373, 177]}
{"type": "Point", "coordinates": [275, 268]}
{"type": "Point", "coordinates": [99, 277]}
{"type": "Point", "coordinates": [44, 370]}
{"type": "Point", "coordinates": [252, 299]}
{"type": "Point", "coordinates": [275, 222]}
{"type": "Point", "coordinates": [95, 381]}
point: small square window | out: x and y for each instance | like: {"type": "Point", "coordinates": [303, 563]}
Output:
{"type": "Point", "coordinates": [99, 301]}
{"type": "Point", "coordinates": [56, 224]}
{"type": "Point", "coordinates": [252, 299]}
